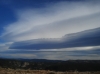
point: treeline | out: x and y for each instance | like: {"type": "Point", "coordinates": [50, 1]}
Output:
{"type": "Point", "coordinates": [54, 65]}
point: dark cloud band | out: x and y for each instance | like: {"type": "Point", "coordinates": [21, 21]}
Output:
{"type": "Point", "coordinates": [80, 39]}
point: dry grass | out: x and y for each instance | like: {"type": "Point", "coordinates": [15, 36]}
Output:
{"type": "Point", "coordinates": [18, 71]}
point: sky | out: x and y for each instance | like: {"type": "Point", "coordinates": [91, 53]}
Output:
{"type": "Point", "coordinates": [50, 29]}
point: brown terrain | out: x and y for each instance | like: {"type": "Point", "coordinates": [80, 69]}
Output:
{"type": "Point", "coordinates": [22, 71]}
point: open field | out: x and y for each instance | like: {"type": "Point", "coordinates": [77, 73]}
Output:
{"type": "Point", "coordinates": [19, 71]}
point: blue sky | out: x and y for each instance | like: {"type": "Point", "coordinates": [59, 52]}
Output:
{"type": "Point", "coordinates": [50, 29]}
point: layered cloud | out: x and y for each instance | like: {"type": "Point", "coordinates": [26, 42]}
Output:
{"type": "Point", "coordinates": [53, 21]}
{"type": "Point", "coordinates": [71, 26]}
{"type": "Point", "coordinates": [90, 53]}
{"type": "Point", "coordinates": [80, 39]}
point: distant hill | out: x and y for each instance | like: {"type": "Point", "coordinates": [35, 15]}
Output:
{"type": "Point", "coordinates": [39, 60]}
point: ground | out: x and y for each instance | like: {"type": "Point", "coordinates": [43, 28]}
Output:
{"type": "Point", "coordinates": [21, 71]}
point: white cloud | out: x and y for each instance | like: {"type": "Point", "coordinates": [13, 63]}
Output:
{"type": "Point", "coordinates": [5, 46]}
{"type": "Point", "coordinates": [29, 56]}
{"type": "Point", "coordinates": [54, 54]}
{"type": "Point", "coordinates": [53, 21]}
{"type": "Point", "coordinates": [24, 56]}
{"type": "Point", "coordinates": [69, 49]}
{"type": "Point", "coordinates": [66, 56]}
